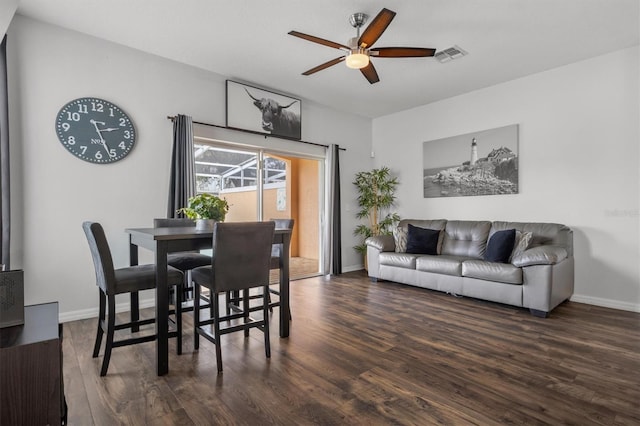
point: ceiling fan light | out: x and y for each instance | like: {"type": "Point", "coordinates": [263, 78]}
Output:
{"type": "Point", "coordinates": [357, 60]}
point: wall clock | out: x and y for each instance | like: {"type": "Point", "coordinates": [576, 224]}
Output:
{"type": "Point", "coordinates": [95, 130]}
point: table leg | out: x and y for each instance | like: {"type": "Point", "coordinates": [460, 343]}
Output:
{"type": "Point", "coordinates": [134, 306]}
{"type": "Point", "coordinates": [162, 310]}
{"type": "Point", "coordinates": [285, 310]}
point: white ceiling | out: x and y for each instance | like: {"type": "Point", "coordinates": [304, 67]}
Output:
{"type": "Point", "coordinates": [248, 41]}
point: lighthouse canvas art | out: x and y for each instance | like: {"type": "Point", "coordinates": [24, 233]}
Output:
{"type": "Point", "coordinates": [478, 163]}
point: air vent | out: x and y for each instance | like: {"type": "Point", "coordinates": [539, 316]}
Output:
{"type": "Point", "coordinates": [450, 54]}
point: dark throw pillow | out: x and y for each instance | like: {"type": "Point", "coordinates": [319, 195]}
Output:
{"type": "Point", "coordinates": [422, 240]}
{"type": "Point", "coordinates": [500, 246]}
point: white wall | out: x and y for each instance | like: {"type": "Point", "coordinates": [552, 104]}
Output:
{"type": "Point", "coordinates": [7, 10]}
{"type": "Point", "coordinates": [54, 192]}
{"type": "Point", "coordinates": [579, 161]}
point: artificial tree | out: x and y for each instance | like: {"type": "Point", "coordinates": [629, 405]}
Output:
{"type": "Point", "coordinates": [376, 196]}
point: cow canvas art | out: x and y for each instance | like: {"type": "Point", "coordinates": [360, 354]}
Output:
{"type": "Point", "coordinates": [258, 110]}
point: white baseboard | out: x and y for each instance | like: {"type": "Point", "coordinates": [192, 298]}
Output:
{"type": "Point", "coordinates": [93, 312]}
{"type": "Point", "coordinates": [607, 303]}
{"type": "Point", "coordinates": [352, 268]}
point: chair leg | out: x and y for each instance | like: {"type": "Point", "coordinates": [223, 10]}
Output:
{"type": "Point", "coordinates": [233, 298]}
{"type": "Point", "coordinates": [245, 308]}
{"type": "Point", "coordinates": [265, 318]}
{"type": "Point", "coordinates": [111, 325]}
{"type": "Point", "coordinates": [187, 288]}
{"type": "Point", "coordinates": [100, 331]}
{"type": "Point", "coordinates": [135, 310]}
{"type": "Point", "coordinates": [196, 316]}
{"type": "Point", "coordinates": [215, 300]}
{"type": "Point", "coordinates": [178, 310]}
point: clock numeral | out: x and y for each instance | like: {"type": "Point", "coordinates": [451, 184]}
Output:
{"type": "Point", "coordinates": [127, 134]}
{"type": "Point", "coordinates": [98, 155]}
{"type": "Point", "coordinates": [122, 145]}
{"type": "Point", "coordinates": [123, 122]}
{"type": "Point", "coordinates": [66, 126]}
{"type": "Point", "coordinates": [82, 109]}
{"type": "Point", "coordinates": [97, 107]}
{"type": "Point", "coordinates": [83, 148]}
{"type": "Point", "coordinates": [71, 140]}
{"type": "Point", "coordinates": [111, 112]}
{"type": "Point", "coordinates": [73, 116]}
{"type": "Point", "coordinates": [112, 152]}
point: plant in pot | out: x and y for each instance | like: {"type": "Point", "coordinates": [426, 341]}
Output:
{"type": "Point", "coordinates": [206, 209]}
{"type": "Point", "coordinates": [376, 196]}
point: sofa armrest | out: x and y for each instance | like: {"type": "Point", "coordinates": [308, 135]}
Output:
{"type": "Point", "coordinates": [541, 255]}
{"type": "Point", "coordinates": [375, 246]}
{"type": "Point", "coordinates": [381, 242]}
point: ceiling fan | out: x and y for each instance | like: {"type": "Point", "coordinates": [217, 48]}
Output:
{"type": "Point", "coordinates": [360, 48]}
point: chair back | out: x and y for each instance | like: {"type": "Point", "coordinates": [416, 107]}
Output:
{"type": "Point", "coordinates": [101, 254]}
{"type": "Point", "coordinates": [275, 250]}
{"type": "Point", "coordinates": [175, 222]}
{"type": "Point", "coordinates": [241, 255]}
{"type": "Point", "coordinates": [283, 223]}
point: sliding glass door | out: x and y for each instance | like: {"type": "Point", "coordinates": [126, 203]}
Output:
{"type": "Point", "coordinates": [260, 185]}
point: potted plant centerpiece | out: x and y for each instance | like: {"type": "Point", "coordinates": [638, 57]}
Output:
{"type": "Point", "coordinates": [376, 195]}
{"type": "Point", "coordinates": [206, 209]}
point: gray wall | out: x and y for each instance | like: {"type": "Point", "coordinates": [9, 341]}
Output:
{"type": "Point", "coordinates": [579, 161]}
{"type": "Point", "coordinates": [54, 191]}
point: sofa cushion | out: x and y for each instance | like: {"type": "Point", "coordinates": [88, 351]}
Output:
{"type": "Point", "coordinates": [443, 264]}
{"type": "Point", "coordinates": [543, 233]}
{"type": "Point", "coordinates": [421, 240]}
{"type": "Point", "coordinates": [492, 271]}
{"type": "Point", "coordinates": [438, 224]}
{"type": "Point", "coordinates": [500, 246]}
{"type": "Point", "coordinates": [400, 239]}
{"type": "Point", "coordinates": [401, 260]}
{"type": "Point", "coordinates": [523, 239]}
{"type": "Point", "coordinates": [466, 238]}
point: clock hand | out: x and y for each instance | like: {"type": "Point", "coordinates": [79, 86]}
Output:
{"type": "Point", "coordinates": [104, 143]}
{"type": "Point", "coordinates": [110, 129]}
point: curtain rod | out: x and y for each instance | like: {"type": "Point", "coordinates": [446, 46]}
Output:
{"type": "Point", "coordinates": [253, 132]}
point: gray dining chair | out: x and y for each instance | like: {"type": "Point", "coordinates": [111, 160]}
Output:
{"type": "Point", "coordinates": [241, 259]}
{"type": "Point", "coordinates": [234, 299]}
{"type": "Point", "coordinates": [185, 261]}
{"type": "Point", "coordinates": [111, 282]}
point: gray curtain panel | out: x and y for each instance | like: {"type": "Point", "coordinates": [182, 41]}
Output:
{"type": "Point", "coordinates": [5, 197]}
{"type": "Point", "coordinates": [182, 184]}
{"type": "Point", "coordinates": [336, 225]}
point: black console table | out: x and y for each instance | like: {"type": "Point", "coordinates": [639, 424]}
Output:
{"type": "Point", "coordinates": [31, 385]}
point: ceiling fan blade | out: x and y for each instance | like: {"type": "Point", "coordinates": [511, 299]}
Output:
{"type": "Point", "coordinates": [370, 73]}
{"type": "Point", "coordinates": [323, 66]}
{"type": "Point", "coordinates": [376, 28]}
{"type": "Point", "coordinates": [402, 52]}
{"type": "Point", "coordinates": [318, 40]}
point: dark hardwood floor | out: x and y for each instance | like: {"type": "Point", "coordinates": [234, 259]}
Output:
{"type": "Point", "coordinates": [375, 353]}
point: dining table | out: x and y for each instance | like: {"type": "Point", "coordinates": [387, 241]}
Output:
{"type": "Point", "coordinates": [163, 241]}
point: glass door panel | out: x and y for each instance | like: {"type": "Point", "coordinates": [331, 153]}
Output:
{"type": "Point", "coordinates": [232, 175]}
{"type": "Point", "coordinates": [291, 187]}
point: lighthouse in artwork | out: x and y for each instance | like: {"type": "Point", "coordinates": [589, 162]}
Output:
{"type": "Point", "coordinates": [474, 152]}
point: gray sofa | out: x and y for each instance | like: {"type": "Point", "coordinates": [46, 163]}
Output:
{"type": "Point", "coordinates": [538, 278]}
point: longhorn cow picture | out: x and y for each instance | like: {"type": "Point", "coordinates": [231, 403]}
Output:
{"type": "Point", "coordinates": [262, 111]}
